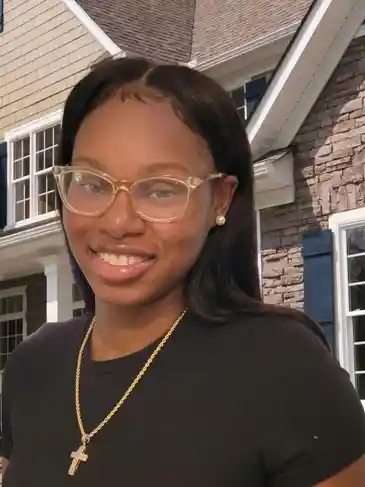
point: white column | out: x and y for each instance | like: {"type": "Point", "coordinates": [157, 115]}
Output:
{"type": "Point", "coordinates": [59, 288]}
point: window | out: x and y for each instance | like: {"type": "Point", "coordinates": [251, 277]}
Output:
{"type": "Point", "coordinates": [349, 232]}
{"type": "Point", "coordinates": [77, 300]}
{"type": "Point", "coordinates": [249, 95]}
{"type": "Point", "coordinates": [12, 322]}
{"type": "Point", "coordinates": [32, 153]}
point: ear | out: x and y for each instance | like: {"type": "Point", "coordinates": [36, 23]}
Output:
{"type": "Point", "coordinates": [223, 194]}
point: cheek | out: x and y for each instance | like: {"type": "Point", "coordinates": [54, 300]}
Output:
{"type": "Point", "coordinates": [75, 227]}
{"type": "Point", "coordinates": [183, 239]}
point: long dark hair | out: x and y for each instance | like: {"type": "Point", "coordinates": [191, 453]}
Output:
{"type": "Point", "coordinates": [224, 281]}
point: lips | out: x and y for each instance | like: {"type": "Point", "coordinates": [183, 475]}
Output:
{"type": "Point", "coordinates": [120, 265]}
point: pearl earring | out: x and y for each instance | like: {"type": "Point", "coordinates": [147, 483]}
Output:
{"type": "Point", "coordinates": [220, 220]}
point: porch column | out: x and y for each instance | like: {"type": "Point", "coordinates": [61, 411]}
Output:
{"type": "Point", "coordinates": [59, 288]}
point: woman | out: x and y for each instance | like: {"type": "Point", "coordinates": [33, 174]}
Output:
{"type": "Point", "coordinates": [178, 374]}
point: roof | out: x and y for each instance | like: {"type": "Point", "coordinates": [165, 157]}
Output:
{"type": "Point", "coordinates": [186, 29]}
{"type": "Point", "coordinates": [160, 29]}
{"type": "Point", "coordinates": [222, 26]}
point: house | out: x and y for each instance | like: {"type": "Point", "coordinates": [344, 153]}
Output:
{"type": "Point", "coordinates": [296, 73]}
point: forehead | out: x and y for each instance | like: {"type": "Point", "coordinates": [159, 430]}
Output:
{"type": "Point", "coordinates": [129, 137]}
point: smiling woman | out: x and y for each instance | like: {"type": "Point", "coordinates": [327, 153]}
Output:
{"type": "Point", "coordinates": [177, 374]}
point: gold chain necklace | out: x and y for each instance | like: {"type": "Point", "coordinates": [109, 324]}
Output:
{"type": "Point", "coordinates": [80, 455]}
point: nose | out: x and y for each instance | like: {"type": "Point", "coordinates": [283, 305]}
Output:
{"type": "Point", "coordinates": [120, 219]}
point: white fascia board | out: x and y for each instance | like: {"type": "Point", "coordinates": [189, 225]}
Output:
{"type": "Point", "coordinates": [99, 35]}
{"type": "Point", "coordinates": [304, 72]}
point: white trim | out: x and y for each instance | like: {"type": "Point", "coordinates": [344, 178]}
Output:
{"type": "Point", "coordinates": [11, 137]}
{"type": "Point", "coordinates": [31, 234]}
{"type": "Point", "coordinates": [308, 65]}
{"type": "Point", "coordinates": [39, 124]}
{"type": "Point", "coordinates": [99, 35]}
{"type": "Point", "coordinates": [339, 223]}
{"type": "Point", "coordinates": [361, 31]}
{"type": "Point", "coordinates": [13, 291]}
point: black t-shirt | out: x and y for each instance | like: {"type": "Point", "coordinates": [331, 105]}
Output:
{"type": "Point", "coordinates": [258, 402]}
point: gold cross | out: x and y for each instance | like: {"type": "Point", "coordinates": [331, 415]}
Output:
{"type": "Point", "coordinates": [77, 457]}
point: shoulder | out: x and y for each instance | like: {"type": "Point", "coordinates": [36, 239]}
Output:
{"type": "Point", "coordinates": [277, 335]}
{"type": "Point", "coordinates": [50, 340]}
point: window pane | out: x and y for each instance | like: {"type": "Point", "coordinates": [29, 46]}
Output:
{"type": "Point", "coordinates": [357, 297]}
{"type": "Point", "coordinates": [359, 328]}
{"type": "Point", "coordinates": [17, 150]}
{"type": "Point", "coordinates": [39, 141]}
{"type": "Point", "coordinates": [356, 266]}
{"type": "Point", "coordinates": [49, 158]}
{"type": "Point", "coordinates": [360, 358]}
{"type": "Point", "coordinates": [356, 240]}
{"type": "Point", "coordinates": [238, 96]}
{"type": "Point", "coordinates": [57, 133]}
{"type": "Point", "coordinates": [49, 137]}
{"type": "Point", "coordinates": [47, 194]}
{"type": "Point", "coordinates": [40, 162]}
{"type": "Point", "coordinates": [360, 385]}
{"type": "Point", "coordinates": [26, 147]}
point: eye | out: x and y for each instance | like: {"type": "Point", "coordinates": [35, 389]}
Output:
{"type": "Point", "coordinates": [161, 189]}
{"type": "Point", "coordinates": [91, 183]}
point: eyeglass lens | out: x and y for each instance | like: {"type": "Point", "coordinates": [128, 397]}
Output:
{"type": "Point", "coordinates": [158, 198]}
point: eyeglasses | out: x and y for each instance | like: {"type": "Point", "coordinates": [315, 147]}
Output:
{"type": "Point", "coordinates": [90, 192]}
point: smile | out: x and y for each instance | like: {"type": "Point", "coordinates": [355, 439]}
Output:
{"type": "Point", "coordinates": [121, 260]}
{"type": "Point", "coordinates": [117, 268]}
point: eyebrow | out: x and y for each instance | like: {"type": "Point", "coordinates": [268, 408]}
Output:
{"type": "Point", "coordinates": [89, 160]}
{"type": "Point", "coordinates": [154, 167]}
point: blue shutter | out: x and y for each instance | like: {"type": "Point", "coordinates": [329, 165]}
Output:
{"type": "Point", "coordinates": [1, 16]}
{"type": "Point", "coordinates": [319, 280]}
{"type": "Point", "coordinates": [3, 184]}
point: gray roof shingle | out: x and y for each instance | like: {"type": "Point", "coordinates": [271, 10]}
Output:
{"type": "Point", "coordinates": [180, 30]}
{"type": "Point", "coordinates": [160, 29]}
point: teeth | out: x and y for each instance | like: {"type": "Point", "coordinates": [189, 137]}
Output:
{"type": "Point", "coordinates": [121, 260]}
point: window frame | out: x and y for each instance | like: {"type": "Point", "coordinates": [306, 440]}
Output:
{"type": "Point", "coordinates": [9, 292]}
{"type": "Point", "coordinates": [339, 223]}
{"type": "Point", "coordinates": [12, 136]}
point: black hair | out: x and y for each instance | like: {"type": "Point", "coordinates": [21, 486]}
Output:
{"type": "Point", "coordinates": [224, 281]}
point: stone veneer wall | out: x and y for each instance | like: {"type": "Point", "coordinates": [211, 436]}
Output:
{"type": "Point", "coordinates": [329, 177]}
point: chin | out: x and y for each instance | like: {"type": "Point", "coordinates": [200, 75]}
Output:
{"type": "Point", "coordinates": [132, 296]}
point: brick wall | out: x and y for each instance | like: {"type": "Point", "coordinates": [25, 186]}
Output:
{"type": "Point", "coordinates": [329, 177]}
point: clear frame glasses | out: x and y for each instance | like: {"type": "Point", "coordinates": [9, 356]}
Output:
{"type": "Point", "coordinates": [90, 192]}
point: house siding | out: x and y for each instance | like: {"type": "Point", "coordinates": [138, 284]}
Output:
{"type": "Point", "coordinates": [36, 298]}
{"type": "Point", "coordinates": [44, 52]}
{"type": "Point", "coordinates": [329, 177]}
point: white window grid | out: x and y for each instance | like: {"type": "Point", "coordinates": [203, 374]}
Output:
{"type": "Point", "coordinates": [32, 150]}
{"type": "Point", "coordinates": [346, 317]}
{"type": "Point", "coordinates": [10, 339]}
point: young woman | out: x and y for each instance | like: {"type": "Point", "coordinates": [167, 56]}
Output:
{"type": "Point", "coordinates": [178, 375]}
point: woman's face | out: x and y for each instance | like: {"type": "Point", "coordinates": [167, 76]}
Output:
{"type": "Point", "coordinates": [127, 260]}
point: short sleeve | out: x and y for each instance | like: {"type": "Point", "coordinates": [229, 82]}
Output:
{"type": "Point", "coordinates": [315, 422]}
{"type": "Point", "coordinates": [6, 431]}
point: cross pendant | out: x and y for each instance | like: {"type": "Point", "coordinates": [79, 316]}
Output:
{"type": "Point", "coordinates": [77, 457]}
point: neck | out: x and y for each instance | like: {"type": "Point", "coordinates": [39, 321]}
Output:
{"type": "Point", "coordinates": [121, 331]}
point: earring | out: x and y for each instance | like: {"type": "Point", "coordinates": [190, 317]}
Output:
{"type": "Point", "coordinates": [220, 220]}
